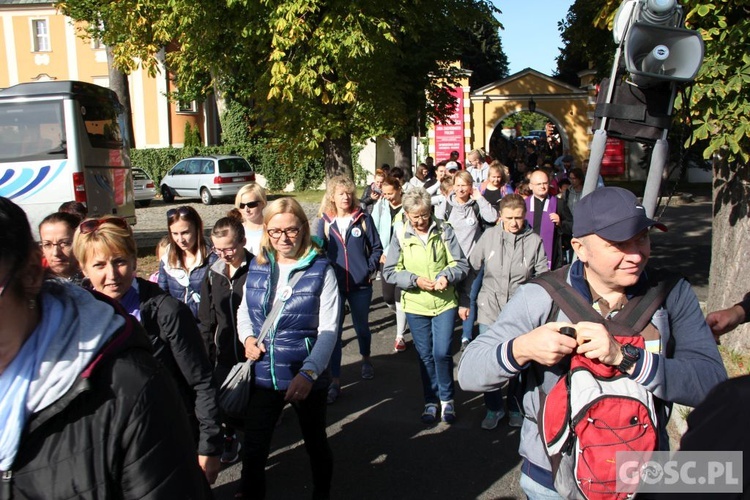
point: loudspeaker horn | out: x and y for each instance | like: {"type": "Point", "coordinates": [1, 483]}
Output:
{"type": "Point", "coordinates": [655, 54]}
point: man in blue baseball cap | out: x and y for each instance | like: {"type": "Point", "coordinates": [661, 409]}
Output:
{"type": "Point", "coordinates": [680, 362]}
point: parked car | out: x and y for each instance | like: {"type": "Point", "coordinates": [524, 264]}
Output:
{"type": "Point", "coordinates": [143, 187]}
{"type": "Point", "coordinates": [207, 177]}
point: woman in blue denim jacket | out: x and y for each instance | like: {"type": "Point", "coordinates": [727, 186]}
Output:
{"type": "Point", "coordinates": [186, 262]}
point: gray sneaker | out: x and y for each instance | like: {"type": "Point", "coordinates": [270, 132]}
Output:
{"type": "Point", "coordinates": [492, 419]}
{"type": "Point", "coordinates": [232, 447]}
{"type": "Point", "coordinates": [515, 419]}
{"type": "Point", "coordinates": [334, 390]}
{"type": "Point", "coordinates": [368, 371]}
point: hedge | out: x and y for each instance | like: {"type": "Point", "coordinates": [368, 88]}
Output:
{"type": "Point", "coordinates": [274, 160]}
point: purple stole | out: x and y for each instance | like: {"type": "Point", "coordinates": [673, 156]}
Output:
{"type": "Point", "coordinates": [547, 231]}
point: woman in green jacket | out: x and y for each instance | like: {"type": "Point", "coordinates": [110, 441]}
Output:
{"type": "Point", "coordinates": [425, 262]}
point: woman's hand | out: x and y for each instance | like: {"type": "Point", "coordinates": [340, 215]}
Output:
{"type": "Point", "coordinates": [425, 284]}
{"type": "Point", "coordinates": [252, 350]}
{"type": "Point", "coordinates": [441, 284]}
{"type": "Point", "coordinates": [299, 389]}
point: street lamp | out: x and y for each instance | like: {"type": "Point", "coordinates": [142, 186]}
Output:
{"type": "Point", "coordinates": [532, 104]}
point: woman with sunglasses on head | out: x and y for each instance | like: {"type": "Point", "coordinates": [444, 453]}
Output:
{"type": "Point", "coordinates": [85, 407]}
{"type": "Point", "coordinates": [290, 276]}
{"type": "Point", "coordinates": [354, 248]}
{"type": "Point", "coordinates": [107, 252]}
{"type": "Point", "coordinates": [426, 262]}
{"type": "Point", "coordinates": [186, 262]}
{"type": "Point", "coordinates": [221, 294]}
{"type": "Point", "coordinates": [250, 201]}
{"type": "Point", "coordinates": [56, 240]}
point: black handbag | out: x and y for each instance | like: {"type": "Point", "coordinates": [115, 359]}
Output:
{"type": "Point", "coordinates": [234, 394]}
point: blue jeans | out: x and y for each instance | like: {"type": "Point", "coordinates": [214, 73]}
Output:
{"type": "Point", "coordinates": [359, 308]}
{"type": "Point", "coordinates": [468, 325]}
{"type": "Point", "coordinates": [535, 491]}
{"type": "Point", "coordinates": [432, 337]}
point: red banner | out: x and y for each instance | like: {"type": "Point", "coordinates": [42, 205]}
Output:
{"type": "Point", "coordinates": [450, 137]}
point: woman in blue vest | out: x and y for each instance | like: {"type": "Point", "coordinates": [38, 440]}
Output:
{"type": "Point", "coordinates": [291, 362]}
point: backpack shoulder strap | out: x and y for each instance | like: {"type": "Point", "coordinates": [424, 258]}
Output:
{"type": "Point", "coordinates": [448, 208]}
{"type": "Point", "coordinates": [639, 310]}
{"type": "Point", "coordinates": [565, 298]}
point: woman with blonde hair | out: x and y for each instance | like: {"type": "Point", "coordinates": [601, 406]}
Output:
{"type": "Point", "coordinates": [251, 199]}
{"type": "Point", "coordinates": [292, 277]}
{"type": "Point", "coordinates": [186, 262]}
{"type": "Point", "coordinates": [107, 252]}
{"type": "Point", "coordinates": [497, 184]}
{"type": "Point", "coordinates": [354, 249]}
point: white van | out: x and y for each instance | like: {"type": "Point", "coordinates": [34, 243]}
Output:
{"type": "Point", "coordinates": [60, 141]}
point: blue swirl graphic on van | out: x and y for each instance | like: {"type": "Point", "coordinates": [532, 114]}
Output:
{"type": "Point", "coordinates": [16, 183]}
{"type": "Point", "coordinates": [103, 182]}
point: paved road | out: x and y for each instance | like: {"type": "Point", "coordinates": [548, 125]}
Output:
{"type": "Point", "coordinates": [382, 450]}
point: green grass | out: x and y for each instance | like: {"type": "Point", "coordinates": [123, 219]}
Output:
{"type": "Point", "coordinates": [310, 196]}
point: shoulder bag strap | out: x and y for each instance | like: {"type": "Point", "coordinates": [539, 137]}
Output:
{"type": "Point", "coordinates": [278, 305]}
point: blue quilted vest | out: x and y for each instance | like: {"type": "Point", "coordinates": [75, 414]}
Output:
{"type": "Point", "coordinates": [292, 338]}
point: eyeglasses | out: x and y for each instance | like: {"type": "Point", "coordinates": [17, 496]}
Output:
{"type": "Point", "coordinates": [91, 225]}
{"type": "Point", "coordinates": [420, 217]}
{"type": "Point", "coordinates": [182, 211]}
{"type": "Point", "coordinates": [62, 245]}
{"type": "Point", "coordinates": [250, 204]}
{"type": "Point", "coordinates": [6, 282]}
{"type": "Point", "coordinates": [290, 232]}
{"type": "Point", "coordinates": [221, 252]}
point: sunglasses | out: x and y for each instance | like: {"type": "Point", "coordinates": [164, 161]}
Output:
{"type": "Point", "coordinates": [182, 212]}
{"type": "Point", "coordinates": [250, 204]}
{"type": "Point", "coordinates": [91, 225]}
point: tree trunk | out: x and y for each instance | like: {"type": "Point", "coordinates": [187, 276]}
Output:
{"type": "Point", "coordinates": [402, 154]}
{"type": "Point", "coordinates": [730, 246]}
{"type": "Point", "coordinates": [118, 83]}
{"type": "Point", "coordinates": [338, 157]}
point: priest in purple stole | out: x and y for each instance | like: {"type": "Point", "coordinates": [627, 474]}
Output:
{"type": "Point", "coordinates": [543, 217]}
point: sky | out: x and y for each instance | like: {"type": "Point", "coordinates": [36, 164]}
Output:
{"type": "Point", "coordinates": [530, 38]}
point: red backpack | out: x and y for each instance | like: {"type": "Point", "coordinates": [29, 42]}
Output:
{"type": "Point", "coordinates": [594, 411]}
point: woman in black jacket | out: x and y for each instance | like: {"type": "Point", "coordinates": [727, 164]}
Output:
{"type": "Point", "coordinates": [107, 252]}
{"type": "Point", "coordinates": [221, 293]}
{"type": "Point", "coordinates": [86, 410]}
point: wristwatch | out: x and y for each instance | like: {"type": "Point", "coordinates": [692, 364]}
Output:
{"type": "Point", "coordinates": [311, 374]}
{"type": "Point", "coordinates": [630, 355]}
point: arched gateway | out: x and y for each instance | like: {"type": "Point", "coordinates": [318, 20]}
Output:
{"type": "Point", "coordinates": [568, 107]}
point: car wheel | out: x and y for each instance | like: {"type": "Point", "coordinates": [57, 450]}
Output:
{"type": "Point", "coordinates": [206, 197]}
{"type": "Point", "coordinates": [143, 203]}
{"type": "Point", "coordinates": [167, 194]}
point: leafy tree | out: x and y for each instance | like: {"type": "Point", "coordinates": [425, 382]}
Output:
{"type": "Point", "coordinates": [482, 51]}
{"type": "Point", "coordinates": [316, 73]}
{"type": "Point", "coordinates": [584, 45]}
{"type": "Point", "coordinates": [720, 112]}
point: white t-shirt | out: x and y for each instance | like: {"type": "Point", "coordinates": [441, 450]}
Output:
{"type": "Point", "coordinates": [343, 223]}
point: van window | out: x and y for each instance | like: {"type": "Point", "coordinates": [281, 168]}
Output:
{"type": "Point", "coordinates": [32, 131]}
{"type": "Point", "coordinates": [101, 124]}
{"type": "Point", "coordinates": [234, 166]}
{"type": "Point", "coordinates": [208, 167]}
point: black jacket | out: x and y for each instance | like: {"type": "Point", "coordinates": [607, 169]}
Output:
{"type": "Point", "coordinates": [177, 344]}
{"type": "Point", "coordinates": [220, 298]}
{"type": "Point", "coordinates": [113, 435]}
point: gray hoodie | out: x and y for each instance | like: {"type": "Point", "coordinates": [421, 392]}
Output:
{"type": "Point", "coordinates": [509, 260]}
{"type": "Point", "coordinates": [463, 219]}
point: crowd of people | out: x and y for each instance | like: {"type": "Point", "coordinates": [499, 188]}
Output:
{"type": "Point", "coordinates": [98, 358]}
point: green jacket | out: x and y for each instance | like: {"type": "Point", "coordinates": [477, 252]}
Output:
{"type": "Point", "coordinates": [409, 258]}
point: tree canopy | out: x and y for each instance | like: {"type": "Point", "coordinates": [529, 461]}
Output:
{"type": "Point", "coordinates": [311, 71]}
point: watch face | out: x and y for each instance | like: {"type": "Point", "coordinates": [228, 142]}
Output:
{"type": "Point", "coordinates": [631, 351]}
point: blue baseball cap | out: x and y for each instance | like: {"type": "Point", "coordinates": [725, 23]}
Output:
{"type": "Point", "coordinates": [611, 213]}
